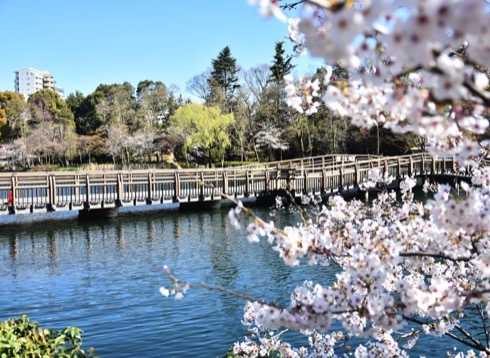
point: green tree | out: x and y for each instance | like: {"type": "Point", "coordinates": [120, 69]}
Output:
{"type": "Point", "coordinates": [47, 106]}
{"type": "Point", "coordinates": [282, 65]}
{"type": "Point", "coordinates": [117, 105]}
{"type": "Point", "coordinates": [87, 120]}
{"type": "Point", "coordinates": [14, 109]}
{"type": "Point", "coordinates": [52, 137]}
{"type": "Point", "coordinates": [274, 117]}
{"type": "Point", "coordinates": [223, 81]}
{"type": "Point", "coordinates": [329, 131]}
{"type": "Point", "coordinates": [153, 102]}
{"type": "Point", "coordinates": [202, 129]}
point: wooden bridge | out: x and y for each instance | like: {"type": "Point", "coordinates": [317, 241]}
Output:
{"type": "Point", "coordinates": [30, 192]}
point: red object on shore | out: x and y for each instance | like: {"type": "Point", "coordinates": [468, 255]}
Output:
{"type": "Point", "coordinates": [10, 197]}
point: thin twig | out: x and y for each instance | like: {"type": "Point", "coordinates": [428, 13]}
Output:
{"type": "Point", "coordinates": [476, 345]}
{"type": "Point", "coordinates": [484, 323]}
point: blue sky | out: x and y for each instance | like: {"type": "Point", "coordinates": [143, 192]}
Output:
{"type": "Point", "coordinates": [84, 43]}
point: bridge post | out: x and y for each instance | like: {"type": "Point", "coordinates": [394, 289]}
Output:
{"type": "Point", "coordinates": [86, 204]}
{"type": "Point", "coordinates": [278, 175]}
{"type": "Point", "coordinates": [399, 169]}
{"type": "Point", "coordinates": [433, 169]}
{"type": "Point", "coordinates": [305, 181]}
{"type": "Point", "coordinates": [267, 179]}
{"type": "Point", "coordinates": [288, 179]}
{"type": "Point", "coordinates": [201, 186]}
{"type": "Point", "coordinates": [104, 192]}
{"type": "Point", "coordinates": [357, 175]}
{"type": "Point", "coordinates": [453, 165]}
{"type": "Point", "coordinates": [324, 180]}
{"type": "Point", "coordinates": [422, 165]}
{"type": "Point", "coordinates": [175, 199]}
{"type": "Point", "coordinates": [119, 188]}
{"type": "Point", "coordinates": [410, 166]}
{"type": "Point", "coordinates": [225, 183]}
{"type": "Point", "coordinates": [77, 189]}
{"type": "Point", "coordinates": [341, 178]}
{"type": "Point", "coordinates": [51, 193]}
{"type": "Point", "coordinates": [150, 189]}
{"type": "Point", "coordinates": [247, 184]}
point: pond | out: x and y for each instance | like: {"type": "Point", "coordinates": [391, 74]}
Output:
{"type": "Point", "coordinates": [104, 277]}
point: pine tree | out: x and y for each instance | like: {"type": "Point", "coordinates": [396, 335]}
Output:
{"type": "Point", "coordinates": [224, 78]}
{"type": "Point", "coordinates": [281, 65]}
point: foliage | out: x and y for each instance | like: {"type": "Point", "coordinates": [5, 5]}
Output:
{"type": "Point", "coordinates": [87, 120]}
{"type": "Point", "coordinates": [223, 81]}
{"type": "Point", "coordinates": [281, 66]}
{"type": "Point", "coordinates": [13, 107]}
{"type": "Point", "coordinates": [202, 128]}
{"type": "Point", "coordinates": [21, 337]}
{"type": "Point", "coordinates": [116, 105]}
{"type": "Point", "coordinates": [47, 106]}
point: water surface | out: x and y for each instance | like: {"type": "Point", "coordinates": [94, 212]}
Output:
{"type": "Point", "coordinates": [104, 278]}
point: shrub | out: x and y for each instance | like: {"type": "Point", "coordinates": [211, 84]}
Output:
{"type": "Point", "coordinates": [21, 337]}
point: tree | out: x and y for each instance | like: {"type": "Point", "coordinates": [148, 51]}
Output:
{"type": "Point", "coordinates": [152, 100]}
{"type": "Point", "coordinates": [202, 128]}
{"type": "Point", "coordinates": [223, 81]}
{"type": "Point", "coordinates": [273, 114]}
{"type": "Point", "coordinates": [198, 85]}
{"type": "Point", "coordinates": [52, 136]}
{"type": "Point", "coordinates": [408, 268]}
{"type": "Point", "coordinates": [119, 143]}
{"type": "Point", "coordinates": [16, 152]}
{"type": "Point", "coordinates": [47, 106]}
{"type": "Point", "coordinates": [269, 136]}
{"type": "Point", "coordinates": [117, 105]}
{"type": "Point", "coordinates": [281, 66]}
{"type": "Point", "coordinates": [13, 107]}
{"type": "Point", "coordinates": [89, 147]}
{"type": "Point", "coordinates": [87, 120]}
{"type": "Point", "coordinates": [52, 143]}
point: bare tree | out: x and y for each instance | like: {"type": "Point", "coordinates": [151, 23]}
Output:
{"type": "Point", "coordinates": [256, 79]}
{"type": "Point", "coordinates": [145, 143]}
{"type": "Point", "coordinates": [15, 152]}
{"type": "Point", "coordinates": [199, 85]}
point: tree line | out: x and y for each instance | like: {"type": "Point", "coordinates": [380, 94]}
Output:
{"type": "Point", "coordinates": [242, 115]}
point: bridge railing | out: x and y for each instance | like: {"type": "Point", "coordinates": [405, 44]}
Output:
{"type": "Point", "coordinates": [30, 192]}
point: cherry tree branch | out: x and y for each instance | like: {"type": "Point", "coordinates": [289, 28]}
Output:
{"type": "Point", "coordinates": [473, 344]}
{"type": "Point", "coordinates": [436, 256]}
{"type": "Point", "coordinates": [481, 312]}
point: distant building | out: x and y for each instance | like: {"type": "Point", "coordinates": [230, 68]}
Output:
{"type": "Point", "coordinates": [29, 80]}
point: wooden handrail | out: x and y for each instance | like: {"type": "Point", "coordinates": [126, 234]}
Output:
{"type": "Point", "coordinates": [97, 189]}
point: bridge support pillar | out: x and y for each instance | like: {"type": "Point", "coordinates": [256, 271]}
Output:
{"type": "Point", "coordinates": [363, 194]}
{"type": "Point", "coordinates": [97, 214]}
{"type": "Point", "coordinates": [200, 205]}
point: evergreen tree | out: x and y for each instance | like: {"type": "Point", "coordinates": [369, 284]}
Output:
{"type": "Point", "coordinates": [281, 65]}
{"type": "Point", "coordinates": [223, 81]}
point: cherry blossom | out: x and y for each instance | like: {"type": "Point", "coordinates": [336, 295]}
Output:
{"type": "Point", "coordinates": [405, 268]}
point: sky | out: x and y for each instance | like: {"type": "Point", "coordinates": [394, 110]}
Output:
{"type": "Point", "coordinates": [84, 43]}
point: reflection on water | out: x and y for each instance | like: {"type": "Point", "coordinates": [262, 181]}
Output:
{"type": "Point", "coordinates": [104, 278]}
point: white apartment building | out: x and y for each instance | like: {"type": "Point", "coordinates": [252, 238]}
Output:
{"type": "Point", "coordinates": [29, 80]}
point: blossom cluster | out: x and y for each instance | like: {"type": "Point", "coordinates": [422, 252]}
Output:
{"type": "Point", "coordinates": [396, 259]}
{"type": "Point", "coordinates": [419, 62]}
{"type": "Point", "coordinates": [405, 268]}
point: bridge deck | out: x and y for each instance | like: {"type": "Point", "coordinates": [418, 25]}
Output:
{"type": "Point", "coordinates": [55, 191]}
